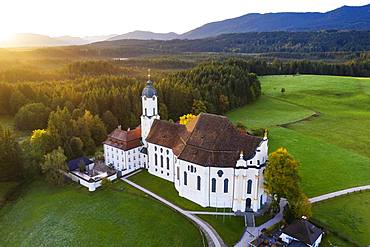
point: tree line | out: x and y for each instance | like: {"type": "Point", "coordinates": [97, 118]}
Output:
{"type": "Point", "coordinates": [76, 114]}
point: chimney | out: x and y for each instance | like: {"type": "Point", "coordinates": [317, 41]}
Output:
{"type": "Point", "coordinates": [128, 129]}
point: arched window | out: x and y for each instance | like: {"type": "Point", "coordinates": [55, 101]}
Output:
{"type": "Point", "coordinates": [226, 185]}
{"type": "Point", "coordinates": [185, 178]}
{"type": "Point", "coordinates": [153, 111]}
{"type": "Point", "coordinates": [249, 187]}
{"type": "Point", "coordinates": [198, 183]}
{"type": "Point", "coordinates": [168, 163]}
{"type": "Point", "coordinates": [213, 185]}
{"type": "Point", "coordinates": [155, 159]}
{"type": "Point", "coordinates": [161, 161]}
{"type": "Point", "coordinates": [146, 112]}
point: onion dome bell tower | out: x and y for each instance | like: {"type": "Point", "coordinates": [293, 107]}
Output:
{"type": "Point", "coordinates": [149, 101]}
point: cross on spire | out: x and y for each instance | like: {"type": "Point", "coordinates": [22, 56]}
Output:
{"type": "Point", "coordinates": [149, 74]}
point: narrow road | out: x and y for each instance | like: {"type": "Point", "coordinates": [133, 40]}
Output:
{"type": "Point", "coordinates": [212, 236]}
{"type": "Point", "coordinates": [211, 213]}
{"type": "Point", "coordinates": [252, 232]}
{"type": "Point", "coordinates": [338, 193]}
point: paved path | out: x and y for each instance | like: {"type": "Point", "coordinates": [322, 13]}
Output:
{"type": "Point", "coordinates": [252, 233]}
{"type": "Point", "coordinates": [211, 213]}
{"type": "Point", "coordinates": [339, 193]}
{"type": "Point", "coordinates": [212, 236]}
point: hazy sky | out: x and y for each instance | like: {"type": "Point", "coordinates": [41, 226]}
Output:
{"type": "Point", "coordinates": [94, 17]}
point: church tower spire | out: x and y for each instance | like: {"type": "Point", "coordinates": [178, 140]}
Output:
{"type": "Point", "coordinates": [149, 102]}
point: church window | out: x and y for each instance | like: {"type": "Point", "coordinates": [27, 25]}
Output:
{"type": "Point", "coordinates": [168, 163]}
{"type": "Point", "coordinates": [168, 174]}
{"type": "Point", "coordinates": [249, 186]}
{"type": "Point", "coordinates": [155, 159]}
{"type": "Point", "coordinates": [191, 168]}
{"type": "Point", "coordinates": [226, 185]}
{"type": "Point", "coordinates": [250, 162]}
{"type": "Point", "coordinates": [153, 111]}
{"type": "Point", "coordinates": [258, 162]}
{"type": "Point", "coordinates": [220, 173]}
{"type": "Point", "coordinates": [155, 148]}
{"type": "Point", "coordinates": [161, 161]}
{"type": "Point", "coordinates": [185, 178]}
{"type": "Point", "coordinates": [198, 183]}
{"type": "Point", "coordinates": [195, 169]}
{"type": "Point", "coordinates": [146, 113]}
{"type": "Point", "coordinates": [167, 152]}
{"type": "Point", "coordinates": [178, 173]}
{"type": "Point", "coordinates": [161, 150]}
{"type": "Point", "coordinates": [213, 185]}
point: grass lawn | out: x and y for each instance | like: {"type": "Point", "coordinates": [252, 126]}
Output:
{"type": "Point", "coordinates": [166, 190]}
{"type": "Point", "coordinates": [5, 187]}
{"type": "Point", "coordinates": [348, 215]}
{"type": "Point", "coordinates": [72, 216]}
{"type": "Point", "coordinates": [325, 167]}
{"type": "Point", "coordinates": [330, 240]}
{"type": "Point", "coordinates": [332, 148]}
{"type": "Point", "coordinates": [230, 228]}
{"type": "Point", "coordinates": [273, 111]}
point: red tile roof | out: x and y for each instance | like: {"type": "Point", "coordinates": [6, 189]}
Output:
{"type": "Point", "coordinates": [208, 140]}
{"type": "Point", "coordinates": [123, 139]}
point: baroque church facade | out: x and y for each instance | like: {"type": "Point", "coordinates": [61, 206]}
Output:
{"type": "Point", "coordinates": [209, 161]}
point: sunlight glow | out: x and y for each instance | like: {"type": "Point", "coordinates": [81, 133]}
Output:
{"type": "Point", "coordinates": [4, 36]}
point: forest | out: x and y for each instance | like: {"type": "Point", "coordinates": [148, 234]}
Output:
{"type": "Point", "coordinates": [92, 98]}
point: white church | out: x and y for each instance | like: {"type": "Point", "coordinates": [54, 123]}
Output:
{"type": "Point", "coordinates": [209, 161]}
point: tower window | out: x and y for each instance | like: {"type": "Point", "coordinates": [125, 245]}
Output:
{"type": "Point", "coordinates": [155, 159]}
{"type": "Point", "coordinates": [153, 111]}
{"type": "Point", "coordinates": [146, 112]}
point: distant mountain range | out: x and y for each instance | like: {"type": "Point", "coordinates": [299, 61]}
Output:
{"type": "Point", "coordinates": [344, 18]}
{"type": "Point", "coordinates": [38, 40]}
{"type": "Point", "coordinates": [146, 35]}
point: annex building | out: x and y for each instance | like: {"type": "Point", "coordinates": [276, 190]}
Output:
{"type": "Point", "coordinates": [209, 161]}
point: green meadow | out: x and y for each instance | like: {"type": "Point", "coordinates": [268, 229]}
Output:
{"type": "Point", "coordinates": [331, 146]}
{"type": "Point", "coordinates": [72, 216]}
{"type": "Point", "coordinates": [348, 215]}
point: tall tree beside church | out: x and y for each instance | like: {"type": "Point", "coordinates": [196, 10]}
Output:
{"type": "Point", "coordinates": [282, 181]}
{"type": "Point", "coordinates": [11, 165]}
{"type": "Point", "coordinates": [281, 175]}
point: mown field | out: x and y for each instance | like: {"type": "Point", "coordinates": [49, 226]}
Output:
{"type": "Point", "coordinates": [349, 215]}
{"type": "Point", "coordinates": [331, 146]}
{"type": "Point", "coordinates": [332, 143]}
{"type": "Point", "coordinates": [71, 216]}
